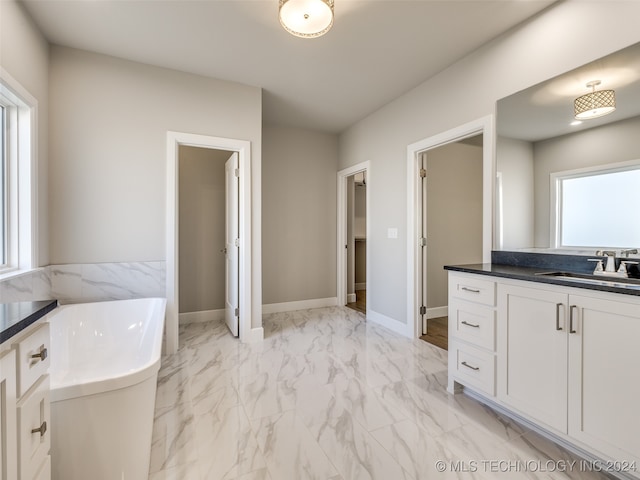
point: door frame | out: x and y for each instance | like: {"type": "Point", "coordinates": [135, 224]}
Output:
{"type": "Point", "coordinates": [243, 147]}
{"type": "Point", "coordinates": [484, 126]}
{"type": "Point", "coordinates": [342, 239]}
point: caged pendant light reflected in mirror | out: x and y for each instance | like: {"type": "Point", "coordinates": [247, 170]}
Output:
{"type": "Point", "coordinates": [594, 104]}
{"type": "Point", "coordinates": [306, 18]}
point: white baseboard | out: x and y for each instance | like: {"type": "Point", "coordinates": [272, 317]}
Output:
{"type": "Point", "coordinates": [255, 335]}
{"type": "Point", "coordinates": [361, 286]}
{"type": "Point", "coordinates": [203, 316]}
{"type": "Point", "coordinates": [437, 312]}
{"type": "Point", "coordinates": [299, 305]}
{"type": "Point", "coordinates": [351, 297]}
{"type": "Point", "coordinates": [387, 322]}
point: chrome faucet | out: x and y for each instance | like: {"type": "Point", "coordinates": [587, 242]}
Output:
{"type": "Point", "coordinates": [625, 253]}
{"type": "Point", "coordinates": [610, 268]}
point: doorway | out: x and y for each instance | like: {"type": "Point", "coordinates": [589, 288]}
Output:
{"type": "Point", "coordinates": [451, 224]}
{"type": "Point", "coordinates": [246, 332]}
{"type": "Point", "coordinates": [418, 238]}
{"type": "Point", "coordinates": [353, 232]}
{"type": "Point", "coordinates": [357, 242]}
{"type": "Point", "coordinates": [208, 227]}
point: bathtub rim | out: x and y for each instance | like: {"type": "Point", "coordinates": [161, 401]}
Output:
{"type": "Point", "coordinates": [61, 392]}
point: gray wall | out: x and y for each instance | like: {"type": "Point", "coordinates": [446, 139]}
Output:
{"type": "Point", "coordinates": [202, 228]}
{"type": "Point", "coordinates": [514, 160]}
{"type": "Point", "coordinates": [299, 214]}
{"type": "Point", "coordinates": [24, 54]}
{"type": "Point", "coordinates": [616, 142]}
{"type": "Point", "coordinates": [108, 149]}
{"type": "Point", "coordinates": [559, 39]}
{"type": "Point", "coordinates": [454, 214]}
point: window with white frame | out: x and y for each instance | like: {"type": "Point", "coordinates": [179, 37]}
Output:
{"type": "Point", "coordinates": [596, 207]}
{"type": "Point", "coordinates": [17, 180]}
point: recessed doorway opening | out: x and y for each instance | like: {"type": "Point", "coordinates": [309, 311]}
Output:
{"type": "Point", "coordinates": [353, 229]}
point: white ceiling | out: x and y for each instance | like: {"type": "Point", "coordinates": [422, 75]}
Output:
{"type": "Point", "coordinates": [546, 110]}
{"type": "Point", "coordinates": [376, 50]}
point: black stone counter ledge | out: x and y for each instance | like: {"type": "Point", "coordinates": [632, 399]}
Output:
{"type": "Point", "coordinates": [532, 274]}
{"type": "Point", "coordinates": [16, 316]}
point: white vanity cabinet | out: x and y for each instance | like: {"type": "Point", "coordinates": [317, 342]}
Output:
{"type": "Point", "coordinates": [25, 442]}
{"type": "Point", "coordinates": [604, 378]}
{"type": "Point", "coordinates": [472, 317]}
{"type": "Point", "coordinates": [567, 360]}
{"type": "Point", "coordinates": [8, 452]}
{"type": "Point", "coordinates": [532, 352]}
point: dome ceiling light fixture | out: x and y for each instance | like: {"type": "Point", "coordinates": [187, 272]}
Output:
{"type": "Point", "coordinates": [594, 104]}
{"type": "Point", "coordinates": [306, 18]}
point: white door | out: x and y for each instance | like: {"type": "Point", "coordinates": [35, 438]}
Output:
{"type": "Point", "coordinates": [232, 248]}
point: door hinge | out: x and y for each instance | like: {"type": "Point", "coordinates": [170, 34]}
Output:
{"type": "Point", "coordinates": [423, 310]}
{"type": "Point", "coordinates": [423, 241]}
{"type": "Point", "coordinates": [236, 172]}
{"type": "Point", "coordinates": [236, 312]}
{"type": "Point", "coordinates": [236, 242]}
{"type": "Point", "coordinates": [423, 172]}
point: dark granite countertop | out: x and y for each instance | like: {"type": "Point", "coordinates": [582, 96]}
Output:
{"type": "Point", "coordinates": [15, 317]}
{"type": "Point", "coordinates": [532, 274]}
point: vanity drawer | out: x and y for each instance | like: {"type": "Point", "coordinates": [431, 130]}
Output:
{"type": "Point", "coordinates": [32, 357]}
{"type": "Point", "coordinates": [473, 323]}
{"type": "Point", "coordinates": [473, 289]}
{"type": "Point", "coordinates": [474, 367]}
{"type": "Point", "coordinates": [34, 413]}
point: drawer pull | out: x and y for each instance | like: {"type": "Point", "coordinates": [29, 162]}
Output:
{"type": "Point", "coordinates": [42, 355]}
{"type": "Point", "coordinates": [472, 290]}
{"type": "Point", "coordinates": [558, 305]}
{"type": "Point", "coordinates": [470, 366]}
{"type": "Point", "coordinates": [42, 430]}
{"type": "Point", "coordinates": [572, 308]}
{"type": "Point", "coordinates": [464, 322]}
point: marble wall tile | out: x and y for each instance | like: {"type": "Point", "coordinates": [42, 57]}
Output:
{"type": "Point", "coordinates": [76, 283]}
{"type": "Point", "coordinates": [66, 282]}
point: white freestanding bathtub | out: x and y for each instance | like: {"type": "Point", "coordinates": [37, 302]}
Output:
{"type": "Point", "coordinates": [105, 358]}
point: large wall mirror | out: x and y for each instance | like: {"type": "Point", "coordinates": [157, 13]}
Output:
{"type": "Point", "coordinates": [567, 186]}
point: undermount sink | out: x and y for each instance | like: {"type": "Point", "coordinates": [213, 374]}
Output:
{"type": "Point", "coordinates": [620, 282]}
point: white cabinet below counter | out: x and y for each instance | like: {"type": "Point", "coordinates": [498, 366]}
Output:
{"type": "Point", "coordinates": [567, 360]}
{"type": "Point", "coordinates": [24, 402]}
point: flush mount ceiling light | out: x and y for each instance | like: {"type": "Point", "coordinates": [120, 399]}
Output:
{"type": "Point", "coordinates": [306, 18]}
{"type": "Point", "coordinates": [594, 104]}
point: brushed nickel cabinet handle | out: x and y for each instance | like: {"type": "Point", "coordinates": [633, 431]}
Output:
{"type": "Point", "coordinates": [472, 290]}
{"type": "Point", "coordinates": [42, 430]}
{"type": "Point", "coordinates": [558, 305]}
{"type": "Point", "coordinates": [470, 366]}
{"type": "Point", "coordinates": [42, 355]}
{"type": "Point", "coordinates": [571, 310]}
{"type": "Point", "coordinates": [464, 322]}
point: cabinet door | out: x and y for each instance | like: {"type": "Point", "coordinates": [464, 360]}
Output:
{"type": "Point", "coordinates": [8, 453]}
{"type": "Point", "coordinates": [604, 361]}
{"type": "Point", "coordinates": [532, 353]}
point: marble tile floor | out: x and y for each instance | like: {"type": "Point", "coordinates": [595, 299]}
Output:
{"type": "Point", "coordinates": [329, 396]}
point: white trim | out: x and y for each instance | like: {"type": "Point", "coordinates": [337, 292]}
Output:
{"type": "Point", "coordinates": [555, 198]}
{"type": "Point", "coordinates": [270, 308]}
{"type": "Point", "coordinates": [484, 126]}
{"type": "Point", "coordinates": [387, 322]}
{"type": "Point", "coordinates": [360, 286]}
{"type": "Point", "coordinates": [27, 250]}
{"type": "Point", "coordinates": [351, 297]}
{"type": "Point", "coordinates": [202, 316]}
{"type": "Point", "coordinates": [243, 147]}
{"type": "Point", "coordinates": [341, 268]}
{"type": "Point", "coordinates": [437, 312]}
